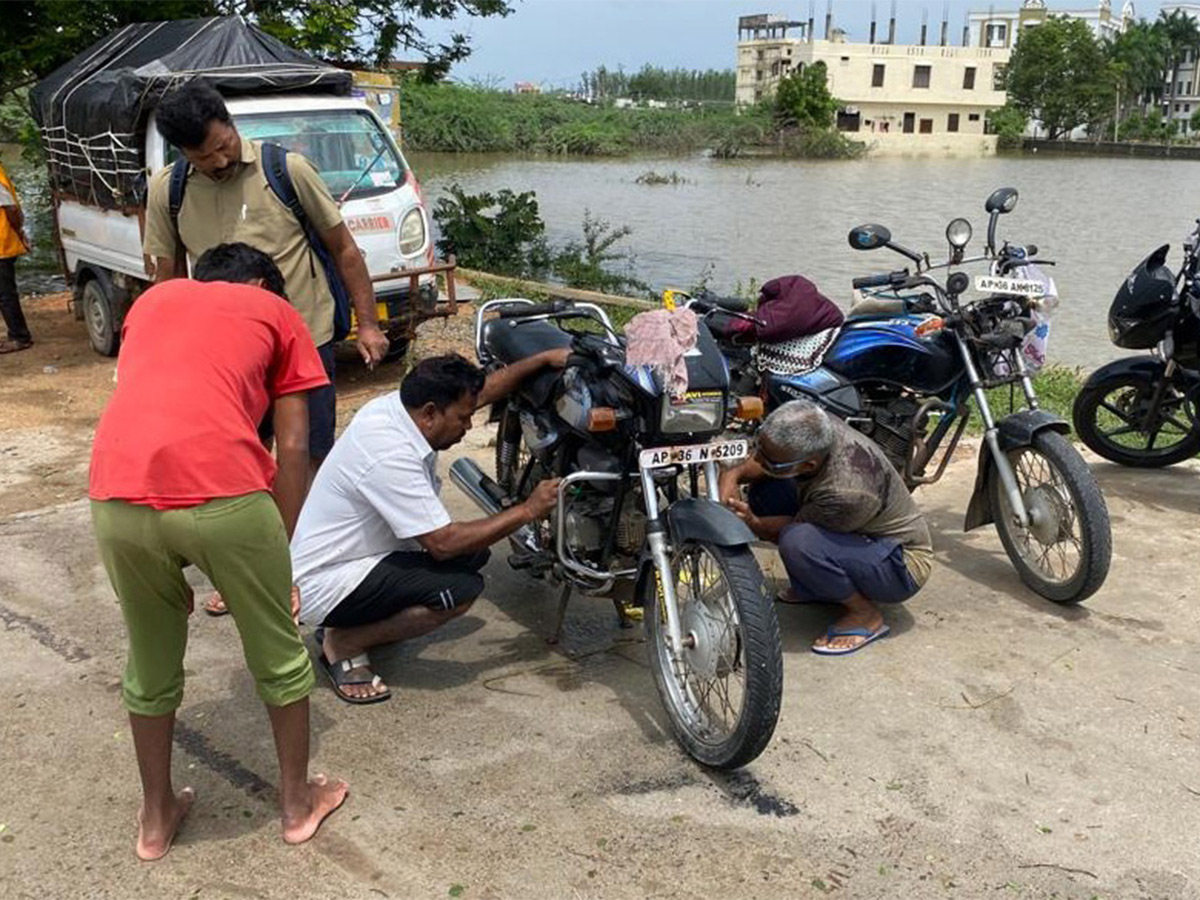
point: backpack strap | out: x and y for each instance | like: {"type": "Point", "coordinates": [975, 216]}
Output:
{"type": "Point", "coordinates": [176, 188]}
{"type": "Point", "coordinates": [279, 179]}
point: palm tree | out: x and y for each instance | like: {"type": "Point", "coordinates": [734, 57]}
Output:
{"type": "Point", "coordinates": [1180, 35]}
{"type": "Point", "coordinates": [1139, 56]}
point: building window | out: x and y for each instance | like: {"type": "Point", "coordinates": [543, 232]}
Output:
{"type": "Point", "coordinates": [921, 76]}
{"type": "Point", "coordinates": [972, 117]}
{"type": "Point", "coordinates": [877, 75]}
{"type": "Point", "coordinates": [997, 34]}
{"type": "Point", "coordinates": [758, 74]}
{"type": "Point", "coordinates": [927, 126]}
{"type": "Point", "coordinates": [952, 122]}
{"type": "Point", "coordinates": [969, 78]}
{"type": "Point", "coordinates": [999, 72]}
{"type": "Point", "coordinates": [910, 121]}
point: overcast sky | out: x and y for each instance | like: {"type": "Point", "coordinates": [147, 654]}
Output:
{"type": "Point", "coordinates": [554, 41]}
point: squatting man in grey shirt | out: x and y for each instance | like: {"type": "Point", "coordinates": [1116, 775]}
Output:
{"type": "Point", "coordinates": [848, 530]}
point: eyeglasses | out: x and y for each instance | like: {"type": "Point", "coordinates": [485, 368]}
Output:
{"type": "Point", "coordinates": [779, 469]}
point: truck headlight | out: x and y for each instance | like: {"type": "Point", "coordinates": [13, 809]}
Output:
{"type": "Point", "coordinates": [412, 232]}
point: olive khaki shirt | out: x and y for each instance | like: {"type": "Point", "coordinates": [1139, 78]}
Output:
{"type": "Point", "coordinates": [244, 208]}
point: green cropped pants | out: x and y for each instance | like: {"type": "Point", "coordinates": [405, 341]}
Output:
{"type": "Point", "coordinates": [241, 545]}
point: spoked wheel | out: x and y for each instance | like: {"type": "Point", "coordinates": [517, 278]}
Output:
{"type": "Point", "coordinates": [1114, 419]}
{"type": "Point", "coordinates": [1065, 552]}
{"type": "Point", "coordinates": [722, 696]}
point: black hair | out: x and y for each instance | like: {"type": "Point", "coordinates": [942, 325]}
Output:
{"type": "Point", "coordinates": [184, 114]}
{"type": "Point", "coordinates": [239, 263]}
{"type": "Point", "coordinates": [442, 381]}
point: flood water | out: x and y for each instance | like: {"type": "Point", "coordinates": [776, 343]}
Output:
{"type": "Point", "coordinates": [737, 220]}
{"type": "Point", "coordinates": [734, 221]}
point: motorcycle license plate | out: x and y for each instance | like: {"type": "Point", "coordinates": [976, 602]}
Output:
{"type": "Point", "coordinates": [658, 457]}
{"type": "Point", "coordinates": [992, 284]}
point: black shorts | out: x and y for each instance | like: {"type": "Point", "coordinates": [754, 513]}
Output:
{"type": "Point", "coordinates": [322, 412]}
{"type": "Point", "coordinates": [405, 579]}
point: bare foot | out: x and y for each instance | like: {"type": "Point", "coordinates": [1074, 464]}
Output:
{"type": "Point", "coordinates": [154, 841]}
{"type": "Point", "coordinates": [216, 605]}
{"type": "Point", "coordinates": [369, 684]}
{"type": "Point", "coordinates": [324, 797]}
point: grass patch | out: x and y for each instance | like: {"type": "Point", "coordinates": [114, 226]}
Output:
{"type": "Point", "coordinates": [1055, 386]}
{"type": "Point", "coordinates": [455, 118]}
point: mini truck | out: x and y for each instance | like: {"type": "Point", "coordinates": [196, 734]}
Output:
{"type": "Point", "coordinates": [98, 176]}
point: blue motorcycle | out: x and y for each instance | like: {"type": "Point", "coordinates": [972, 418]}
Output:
{"type": "Point", "coordinates": [905, 368]}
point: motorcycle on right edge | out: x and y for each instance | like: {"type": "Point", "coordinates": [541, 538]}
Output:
{"type": "Point", "coordinates": [1141, 411]}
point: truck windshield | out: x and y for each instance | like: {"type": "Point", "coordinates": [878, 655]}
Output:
{"type": "Point", "coordinates": [341, 143]}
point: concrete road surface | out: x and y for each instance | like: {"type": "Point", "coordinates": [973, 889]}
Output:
{"type": "Point", "coordinates": [996, 746]}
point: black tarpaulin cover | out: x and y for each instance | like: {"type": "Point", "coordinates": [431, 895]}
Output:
{"type": "Point", "coordinates": [92, 110]}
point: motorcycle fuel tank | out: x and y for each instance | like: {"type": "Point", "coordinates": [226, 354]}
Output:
{"type": "Point", "coordinates": [889, 350]}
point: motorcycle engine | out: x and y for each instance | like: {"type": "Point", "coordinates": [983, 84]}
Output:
{"type": "Point", "coordinates": [892, 429]}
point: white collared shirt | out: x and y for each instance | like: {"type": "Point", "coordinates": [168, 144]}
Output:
{"type": "Point", "coordinates": [376, 491]}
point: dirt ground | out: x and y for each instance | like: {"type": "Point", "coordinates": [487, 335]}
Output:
{"type": "Point", "coordinates": [996, 746]}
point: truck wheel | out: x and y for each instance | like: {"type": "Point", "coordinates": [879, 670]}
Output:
{"type": "Point", "coordinates": [100, 314]}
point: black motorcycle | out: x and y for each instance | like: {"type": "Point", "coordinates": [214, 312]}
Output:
{"type": "Point", "coordinates": [1142, 410]}
{"type": "Point", "coordinates": [912, 359]}
{"type": "Point", "coordinates": [638, 501]}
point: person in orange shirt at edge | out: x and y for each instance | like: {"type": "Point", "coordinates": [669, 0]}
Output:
{"type": "Point", "coordinates": [178, 477]}
{"type": "Point", "coordinates": [13, 243]}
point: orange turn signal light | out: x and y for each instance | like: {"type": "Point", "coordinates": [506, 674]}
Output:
{"type": "Point", "coordinates": [602, 418]}
{"type": "Point", "coordinates": [749, 408]}
{"type": "Point", "coordinates": [929, 326]}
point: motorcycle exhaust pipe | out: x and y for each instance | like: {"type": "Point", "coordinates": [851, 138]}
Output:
{"type": "Point", "coordinates": [487, 495]}
{"type": "Point", "coordinates": [472, 481]}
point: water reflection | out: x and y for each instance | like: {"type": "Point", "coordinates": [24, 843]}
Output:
{"type": "Point", "coordinates": [757, 219]}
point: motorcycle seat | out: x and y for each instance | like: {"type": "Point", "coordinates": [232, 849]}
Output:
{"type": "Point", "coordinates": [509, 341]}
{"type": "Point", "coordinates": [876, 306]}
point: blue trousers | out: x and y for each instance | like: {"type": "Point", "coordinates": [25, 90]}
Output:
{"type": "Point", "coordinates": [826, 566]}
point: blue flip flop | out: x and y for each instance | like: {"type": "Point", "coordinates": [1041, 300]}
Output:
{"type": "Point", "coordinates": [832, 632]}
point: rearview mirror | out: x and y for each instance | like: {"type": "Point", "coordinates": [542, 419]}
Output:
{"type": "Point", "coordinates": [1002, 200]}
{"type": "Point", "coordinates": [869, 237]}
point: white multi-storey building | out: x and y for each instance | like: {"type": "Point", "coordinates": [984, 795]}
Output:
{"type": "Point", "coordinates": [1002, 28]}
{"type": "Point", "coordinates": [899, 97]}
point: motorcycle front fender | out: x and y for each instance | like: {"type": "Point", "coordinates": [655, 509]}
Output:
{"type": "Point", "coordinates": [1141, 366]}
{"type": "Point", "coordinates": [1017, 430]}
{"type": "Point", "coordinates": [1146, 367]}
{"type": "Point", "coordinates": [696, 519]}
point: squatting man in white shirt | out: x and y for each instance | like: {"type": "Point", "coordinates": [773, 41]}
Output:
{"type": "Point", "coordinates": [375, 554]}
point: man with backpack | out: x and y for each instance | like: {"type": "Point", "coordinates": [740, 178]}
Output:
{"type": "Point", "coordinates": [226, 189]}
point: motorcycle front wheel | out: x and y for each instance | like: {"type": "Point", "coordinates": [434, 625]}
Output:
{"type": "Point", "coordinates": [1111, 419]}
{"type": "Point", "coordinates": [722, 696]}
{"type": "Point", "coordinates": [1065, 552]}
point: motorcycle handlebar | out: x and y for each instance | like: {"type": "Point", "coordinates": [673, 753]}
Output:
{"type": "Point", "coordinates": [881, 280]}
{"type": "Point", "coordinates": [534, 309]}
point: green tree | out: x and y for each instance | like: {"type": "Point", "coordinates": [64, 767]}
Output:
{"type": "Point", "coordinates": [1008, 124]}
{"type": "Point", "coordinates": [1060, 75]}
{"type": "Point", "coordinates": [1139, 59]}
{"type": "Point", "coordinates": [1180, 35]}
{"type": "Point", "coordinates": [803, 99]}
{"type": "Point", "coordinates": [37, 36]}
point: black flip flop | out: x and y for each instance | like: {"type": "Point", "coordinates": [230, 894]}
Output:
{"type": "Point", "coordinates": [339, 674]}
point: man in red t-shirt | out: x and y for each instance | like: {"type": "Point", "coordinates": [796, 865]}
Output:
{"type": "Point", "coordinates": [180, 477]}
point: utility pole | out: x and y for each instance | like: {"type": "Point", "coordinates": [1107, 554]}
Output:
{"type": "Point", "coordinates": [1117, 115]}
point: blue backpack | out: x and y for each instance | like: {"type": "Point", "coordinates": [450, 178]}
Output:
{"type": "Point", "coordinates": [274, 163]}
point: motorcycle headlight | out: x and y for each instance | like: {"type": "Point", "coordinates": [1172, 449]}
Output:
{"type": "Point", "coordinates": [412, 232]}
{"type": "Point", "coordinates": [696, 413]}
